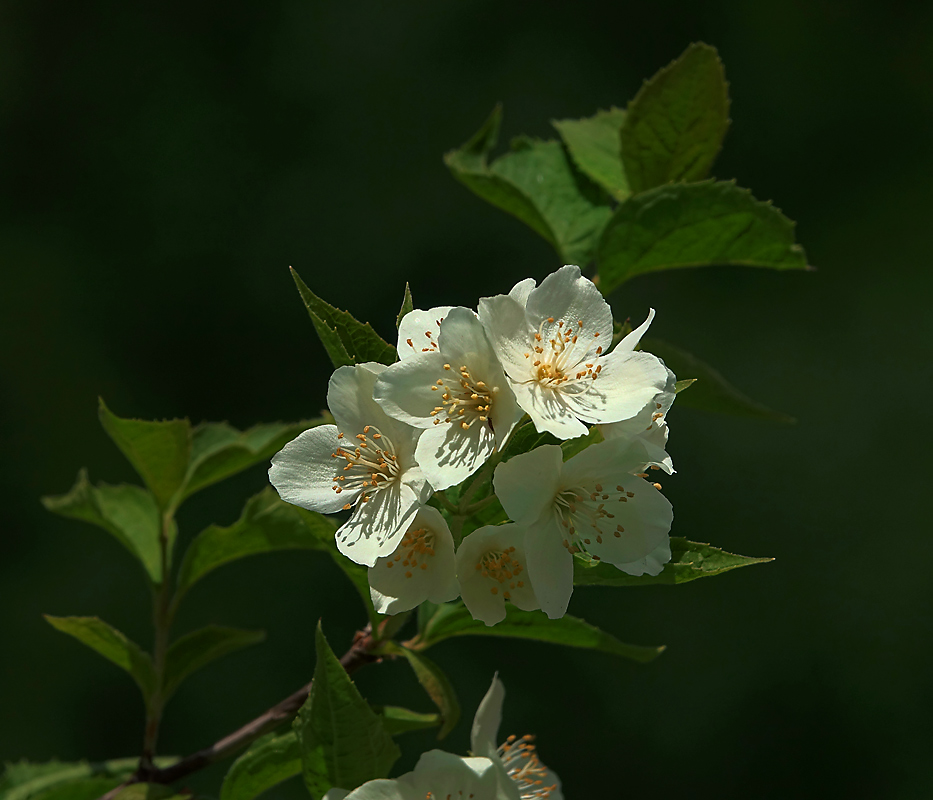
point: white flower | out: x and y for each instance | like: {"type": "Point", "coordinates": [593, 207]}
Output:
{"type": "Point", "coordinates": [457, 392]}
{"type": "Point", "coordinates": [418, 331]}
{"type": "Point", "coordinates": [592, 504]}
{"type": "Point", "coordinates": [491, 568]}
{"type": "Point", "coordinates": [552, 343]}
{"type": "Point", "coordinates": [516, 759]}
{"type": "Point", "coordinates": [423, 567]}
{"type": "Point", "coordinates": [649, 425]}
{"type": "Point", "coordinates": [366, 462]}
{"type": "Point", "coordinates": [437, 776]}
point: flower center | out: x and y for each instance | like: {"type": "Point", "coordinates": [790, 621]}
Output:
{"type": "Point", "coordinates": [371, 463]}
{"type": "Point", "coordinates": [585, 517]}
{"type": "Point", "coordinates": [501, 567]}
{"type": "Point", "coordinates": [558, 354]}
{"type": "Point", "coordinates": [525, 768]}
{"type": "Point", "coordinates": [464, 400]}
{"type": "Point", "coordinates": [415, 551]}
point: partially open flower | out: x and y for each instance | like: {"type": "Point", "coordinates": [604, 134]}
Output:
{"type": "Point", "coordinates": [552, 342]}
{"type": "Point", "coordinates": [423, 567]}
{"type": "Point", "coordinates": [364, 464]}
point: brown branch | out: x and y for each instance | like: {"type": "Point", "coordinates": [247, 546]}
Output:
{"type": "Point", "coordinates": [358, 655]}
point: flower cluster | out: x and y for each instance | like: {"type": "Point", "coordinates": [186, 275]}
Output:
{"type": "Point", "coordinates": [464, 382]}
{"type": "Point", "coordinates": [508, 771]}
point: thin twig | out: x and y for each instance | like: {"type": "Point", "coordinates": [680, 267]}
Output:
{"type": "Point", "coordinates": [360, 653]}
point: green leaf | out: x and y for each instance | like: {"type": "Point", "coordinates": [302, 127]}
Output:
{"type": "Point", "coordinates": [407, 306]}
{"type": "Point", "coordinates": [198, 648]}
{"type": "Point", "coordinates": [712, 391]}
{"type": "Point", "coordinates": [128, 513]}
{"type": "Point", "coordinates": [537, 183]}
{"type": "Point", "coordinates": [402, 720]}
{"type": "Point", "coordinates": [694, 225]}
{"type": "Point", "coordinates": [689, 561]}
{"type": "Point", "coordinates": [158, 450]}
{"type": "Point", "coordinates": [112, 645]}
{"type": "Point", "coordinates": [595, 144]}
{"type": "Point", "coordinates": [572, 447]}
{"type": "Point", "coordinates": [674, 127]}
{"type": "Point", "coordinates": [269, 761]}
{"type": "Point", "coordinates": [347, 340]}
{"type": "Point", "coordinates": [57, 780]}
{"type": "Point", "coordinates": [150, 791]}
{"type": "Point", "coordinates": [684, 384]}
{"type": "Point", "coordinates": [219, 450]}
{"type": "Point", "coordinates": [434, 681]}
{"type": "Point", "coordinates": [453, 619]}
{"type": "Point", "coordinates": [339, 724]}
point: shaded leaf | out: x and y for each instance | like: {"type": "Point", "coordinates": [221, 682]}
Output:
{"type": "Point", "coordinates": [129, 513]}
{"type": "Point", "coordinates": [150, 791]}
{"type": "Point", "coordinates": [403, 720]}
{"type": "Point", "coordinates": [57, 780]}
{"type": "Point", "coordinates": [407, 306]}
{"type": "Point", "coordinates": [674, 127]}
{"type": "Point", "coordinates": [434, 681]}
{"type": "Point", "coordinates": [269, 761]}
{"type": "Point", "coordinates": [158, 450]}
{"type": "Point", "coordinates": [453, 619]}
{"type": "Point", "coordinates": [712, 391]}
{"type": "Point", "coordinates": [338, 724]}
{"type": "Point", "coordinates": [694, 225]}
{"type": "Point", "coordinates": [112, 645]}
{"type": "Point", "coordinates": [595, 144]}
{"type": "Point", "coordinates": [689, 561]}
{"type": "Point", "coordinates": [346, 339]}
{"type": "Point", "coordinates": [537, 183]}
{"type": "Point", "coordinates": [198, 648]}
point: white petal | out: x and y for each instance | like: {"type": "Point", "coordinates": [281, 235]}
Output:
{"type": "Point", "coordinates": [408, 391]}
{"type": "Point", "coordinates": [550, 565]}
{"type": "Point", "coordinates": [632, 338]}
{"type": "Point", "coordinates": [503, 319]}
{"type": "Point", "coordinates": [652, 564]}
{"type": "Point", "coordinates": [570, 298]}
{"type": "Point", "coordinates": [414, 329]}
{"type": "Point", "coordinates": [303, 471]}
{"type": "Point", "coordinates": [448, 454]}
{"type": "Point", "coordinates": [626, 383]}
{"type": "Point", "coordinates": [381, 789]}
{"type": "Point", "coordinates": [526, 484]}
{"type": "Point", "coordinates": [433, 575]}
{"type": "Point", "coordinates": [549, 409]}
{"type": "Point", "coordinates": [485, 732]}
{"type": "Point", "coordinates": [443, 775]}
{"type": "Point", "coordinates": [521, 290]}
{"type": "Point", "coordinates": [335, 794]}
{"type": "Point", "coordinates": [350, 396]}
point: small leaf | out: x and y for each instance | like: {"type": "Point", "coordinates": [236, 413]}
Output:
{"type": "Point", "coordinates": [595, 144]}
{"type": "Point", "coordinates": [435, 683]}
{"type": "Point", "coordinates": [407, 306]}
{"type": "Point", "coordinates": [347, 340]}
{"type": "Point", "coordinates": [689, 561]}
{"type": "Point", "coordinates": [712, 391]}
{"type": "Point", "coordinates": [128, 513]}
{"type": "Point", "coordinates": [352, 738]}
{"type": "Point", "coordinates": [402, 720]}
{"type": "Point", "coordinates": [674, 127]}
{"type": "Point", "coordinates": [694, 225]}
{"type": "Point", "coordinates": [158, 450]}
{"type": "Point", "coordinates": [219, 450]}
{"type": "Point", "coordinates": [112, 645]}
{"type": "Point", "coordinates": [684, 384]}
{"type": "Point", "coordinates": [57, 780]}
{"type": "Point", "coordinates": [537, 183]}
{"type": "Point", "coordinates": [269, 761]}
{"type": "Point", "coordinates": [198, 648]}
{"type": "Point", "coordinates": [455, 620]}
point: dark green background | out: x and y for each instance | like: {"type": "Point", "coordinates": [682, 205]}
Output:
{"type": "Point", "coordinates": [162, 164]}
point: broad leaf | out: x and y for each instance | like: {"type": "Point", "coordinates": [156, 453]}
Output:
{"type": "Point", "coordinates": [595, 144]}
{"type": "Point", "coordinates": [407, 306]}
{"type": "Point", "coordinates": [694, 225]}
{"type": "Point", "coordinates": [453, 619]}
{"type": "Point", "coordinates": [112, 645]}
{"type": "Point", "coordinates": [129, 513]}
{"type": "Point", "coordinates": [219, 450]}
{"type": "Point", "coordinates": [351, 736]}
{"type": "Point", "coordinates": [269, 761]}
{"type": "Point", "coordinates": [57, 780]}
{"type": "Point", "coordinates": [198, 648]}
{"type": "Point", "coordinates": [402, 720]}
{"type": "Point", "coordinates": [347, 340]}
{"type": "Point", "coordinates": [712, 392]}
{"type": "Point", "coordinates": [435, 683]}
{"type": "Point", "coordinates": [674, 127]}
{"type": "Point", "coordinates": [689, 561]}
{"type": "Point", "coordinates": [537, 183]}
{"type": "Point", "coordinates": [158, 450]}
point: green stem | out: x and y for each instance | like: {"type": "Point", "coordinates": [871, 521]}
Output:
{"type": "Point", "coordinates": [480, 505]}
{"type": "Point", "coordinates": [445, 501]}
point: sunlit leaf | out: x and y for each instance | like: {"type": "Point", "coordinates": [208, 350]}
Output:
{"type": "Point", "coordinates": [403, 720]}
{"type": "Point", "coordinates": [269, 761]}
{"type": "Point", "coordinates": [595, 144]}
